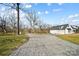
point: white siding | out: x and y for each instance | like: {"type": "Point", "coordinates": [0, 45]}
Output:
{"type": "Point", "coordinates": [71, 31]}
{"type": "Point", "coordinates": [67, 32]}
{"type": "Point", "coordinates": [57, 31]}
{"type": "Point", "coordinates": [63, 31]}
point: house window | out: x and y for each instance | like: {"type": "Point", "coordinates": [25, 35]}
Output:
{"type": "Point", "coordinates": [74, 30]}
{"type": "Point", "coordinates": [69, 30]}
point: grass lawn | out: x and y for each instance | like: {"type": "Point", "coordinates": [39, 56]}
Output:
{"type": "Point", "coordinates": [70, 37]}
{"type": "Point", "coordinates": [10, 42]}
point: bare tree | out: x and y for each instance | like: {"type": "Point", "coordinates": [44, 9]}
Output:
{"type": "Point", "coordinates": [15, 6]}
{"type": "Point", "coordinates": [11, 20]}
{"type": "Point", "coordinates": [43, 25]}
{"type": "Point", "coordinates": [3, 23]}
{"type": "Point", "coordinates": [32, 18]}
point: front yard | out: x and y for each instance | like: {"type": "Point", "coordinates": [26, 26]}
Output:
{"type": "Point", "coordinates": [70, 37]}
{"type": "Point", "coordinates": [10, 42]}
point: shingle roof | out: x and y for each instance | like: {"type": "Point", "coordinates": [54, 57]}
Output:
{"type": "Point", "coordinates": [74, 26]}
{"type": "Point", "coordinates": [63, 27]}
{"type": "Point", "coordinates": [59, 27]}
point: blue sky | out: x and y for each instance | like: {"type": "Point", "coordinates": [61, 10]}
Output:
{"type": "Point", "coordinates": [54, 13]}
{"type": "Point", "coordinates": [58, 13]}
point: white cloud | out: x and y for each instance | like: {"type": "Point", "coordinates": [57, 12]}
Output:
{"type": "Point", "coordinates": [14, 11]}
{"type": "Point", "coordinates": [70, 16]}
{"type": "Point", "coordinates": [71, 19]}
{"type": "Point", "coordinates": [60, 4]}
{"type": "Point", "coordinates": [28, 5]}
{"type": "Point", "coordinates": [22, 14]}
{"type": "Point", "coordinates": [3, 8]}
{"type": "Point", "coordinates": [75, 20]}
{"type": "Point", "coordinates": [57, 10]}
{"type": "Point", "coordinates": [49, 4]}
{"type": "Point", "coordinates": [46, 12]}
{"type": "Point", "coordinates": [63, 21]}
{"type": "Point", "coordinates": [39, 12]}
{"type": "Point", "coordinates": [73, 16]}
{"type": "Point", "coordinates": [76, 15]}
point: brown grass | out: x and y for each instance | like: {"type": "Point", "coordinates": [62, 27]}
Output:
{"type": "Point", "coordinates": [70, 37]}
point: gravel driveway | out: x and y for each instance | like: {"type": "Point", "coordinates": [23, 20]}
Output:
{"type": "Point", "coordinates": [46, 45]}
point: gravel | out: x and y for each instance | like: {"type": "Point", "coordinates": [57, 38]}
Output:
{"type": "Point", "coordinates": [46, 45]}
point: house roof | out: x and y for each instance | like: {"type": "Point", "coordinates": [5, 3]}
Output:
{"type": "Point", "coordinates": [63, 27]}
{"type": "Point", "coordinates": [74, 26]}
{"type": "Point", "coordinates": [59, 27]}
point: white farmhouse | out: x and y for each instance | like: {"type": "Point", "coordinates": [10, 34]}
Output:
{"type": "Point", "coordinates": [63, 29]}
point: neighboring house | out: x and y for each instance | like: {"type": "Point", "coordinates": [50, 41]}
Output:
{"type": "Point", "coordinates": [63, 29]}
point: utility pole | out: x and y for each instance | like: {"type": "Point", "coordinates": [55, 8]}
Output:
{"type": "Point", "coordinates": [17, 8]}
